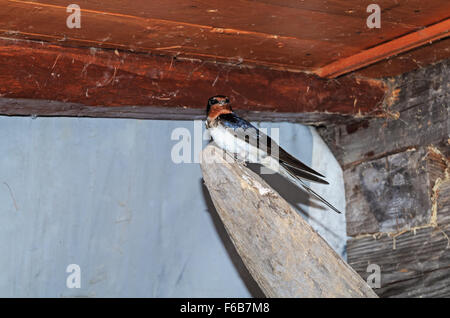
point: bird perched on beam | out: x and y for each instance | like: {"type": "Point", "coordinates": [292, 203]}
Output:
{"type": "Point", "coordinates": [239, 137]}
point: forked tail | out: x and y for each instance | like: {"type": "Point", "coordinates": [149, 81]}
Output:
{"type": "Point", "coordinates": [297, 180]}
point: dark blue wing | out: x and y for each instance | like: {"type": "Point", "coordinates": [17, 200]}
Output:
{"type": "Point", "coordinates": [245, 131]}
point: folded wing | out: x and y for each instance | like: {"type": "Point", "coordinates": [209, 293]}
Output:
{"type": "Point", "coordinates": [245, 131]}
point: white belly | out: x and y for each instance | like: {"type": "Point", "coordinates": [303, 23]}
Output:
{"type": "Point", "coordinates": [233, 145]}
{"type": "Point", "coordinates": [227, 141]}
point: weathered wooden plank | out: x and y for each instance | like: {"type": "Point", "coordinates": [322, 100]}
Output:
{"type": "Point", "coordinates": [46, 108]}
{"type": "Point", "coordinates": [432, 284]}
{"type": "Point", "coordinates": [414, 261]}
{"type": "Point", "coordinates": [441, 188]}
{"type": "Point", "coordinates": [282, 252]}
{"type": "Point", "coordinates": [443, 201]}
{"type": "Point", "coordinates": [418, 116]}
{"type": "Point", "coordinates": [396, 173]}
{"type": "Point", "coordinates": [386, 195]}
{"type": "Point", "coordinates": [43, 108]}
{"type": "Point", "coordinates": [412, 264]}
{"type": "Point", "coordinates": [93, 77]}
{"type": "Point", "coordinates": [393, 193]}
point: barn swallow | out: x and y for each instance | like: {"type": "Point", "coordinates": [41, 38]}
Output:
{"type": "Point", "coordinates": [238, 137]}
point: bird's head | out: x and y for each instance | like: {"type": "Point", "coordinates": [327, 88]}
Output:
{"type": "Point", "coordinates": [218, 105]}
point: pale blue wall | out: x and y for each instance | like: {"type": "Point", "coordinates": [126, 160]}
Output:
{"type": "Point", "coordinates": [105, 194]}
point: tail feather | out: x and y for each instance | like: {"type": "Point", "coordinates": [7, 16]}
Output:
{"type": "Point", "coordinates": [297, 173]}
{"type": "Point", "coordinates": [311, 191]}
{"type": "Point", "coordinates": [297, 180]}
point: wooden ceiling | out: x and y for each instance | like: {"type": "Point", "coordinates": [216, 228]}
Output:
{"type": "Point", "coordinates": [328, 38]}
{"type": "Point", "coordinates": [292, 34]}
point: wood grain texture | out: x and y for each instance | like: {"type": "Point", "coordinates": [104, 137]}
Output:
{"type": "Point", "coordinates": [50, 108]}
{"type": "Point", "coordinates": [117, 26]}
{"type": "Point", "coordinates": [443, 201]}
{"type": "Point", "coordinates": [106, 78]}
{"type": "Point", "coordinates": [393, 193]}
{"type": "Point", "coordinates": [427, 54]}
{"type": "Point", "coordinates": [408, 12]}
{"type": "Point", "coordinates": [282, 252]}
{"type": "Point", "coordinates": [289, 35]}
{"type": "Point", "coordinates": [413, 264]}
{"type": "Point", "coordinates": [419, 116]}
{"type": "Point", "coordinates": [397, 187]}
{"type": "Point", "coordinates": [385, 50]}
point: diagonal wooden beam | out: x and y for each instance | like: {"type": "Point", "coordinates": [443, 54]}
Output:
{"type": "Point", "coordinates": [96, 82]}
{"type": "Point", "coordinates": [402, 44]}
{"type": "Point", "coordinates": [285, 256]}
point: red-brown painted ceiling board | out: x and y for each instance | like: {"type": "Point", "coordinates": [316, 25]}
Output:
{"type": "Point", "coordinates": [408, 61]}
{"type": "Point", "coordinates": [173, 37]}
{"type": "Point", "coordinates": [244, 15]}
{"type": "Point", "coordinates": [405, 43]}
{"type": "Point", "coordinates": [295, 35]}
{"type": "Point", "coordinates": [417, 13]}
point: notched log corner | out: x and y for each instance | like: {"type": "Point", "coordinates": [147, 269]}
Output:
{"type": "Point", "coordinates": [285, 256]}
{"type": "Point", "coordinates": [408, 183]}
{"type": "Point", "coordinates": [413, 259]}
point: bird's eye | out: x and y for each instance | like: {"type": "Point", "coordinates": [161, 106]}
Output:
{"type": "Point", "coordinates": [227, 101]}
{"type": "Point", "coordinates": [213, 101]}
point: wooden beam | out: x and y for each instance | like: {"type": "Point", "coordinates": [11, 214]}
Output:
{"type": "Point", "coordinates": [48, 108]}
{"type": "Point", "coordinates": [405, 43]}
{"type": "Point", "coordinates": [420, 115]}
{"type": "Point", "coordinates": [404, 181]}
{"type": "Point", "coordinates": [90, 79]}
{"type": "Point", "coordinates": [413, 264]}
{"type": "Point", "coordinates": [285, 256]}
{"type": "Point", "coordinates": [397, 187]}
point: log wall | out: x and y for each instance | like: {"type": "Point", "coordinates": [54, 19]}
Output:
{"type": "Point", "coordinates": [396, 172]}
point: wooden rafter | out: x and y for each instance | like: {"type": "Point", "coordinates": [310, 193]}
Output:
{"type": "Point", "coordinates": [105, 83]}
{"type": "Point", "coordinates": [285, 256]}
{"type": "Point", "coordinates": [386, 50]}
